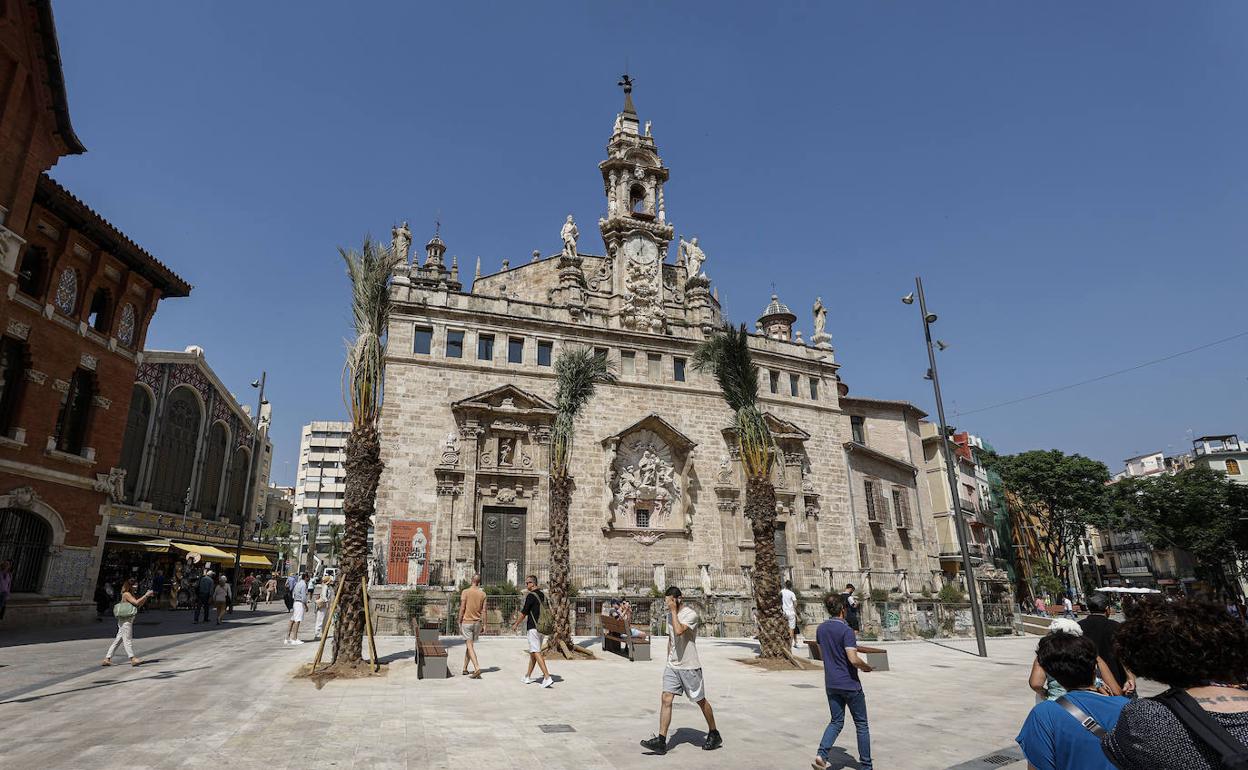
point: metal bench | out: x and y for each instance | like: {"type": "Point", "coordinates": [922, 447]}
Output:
{"type": "Point", "coordinates": [617, 637]}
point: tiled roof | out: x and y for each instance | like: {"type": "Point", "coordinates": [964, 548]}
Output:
{"type": "Point", "coordinates": [56, 77]}
{"type": "Point", "coordinates": [82, 217]}
{"type": "Point", "coordinates": [777, 308]}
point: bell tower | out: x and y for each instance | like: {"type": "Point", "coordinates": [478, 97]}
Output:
{"type": "Point", "coordinates": [635, 229]}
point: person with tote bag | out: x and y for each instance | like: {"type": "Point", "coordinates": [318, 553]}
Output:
{"type": "Point", "coordinates": [126, 611]}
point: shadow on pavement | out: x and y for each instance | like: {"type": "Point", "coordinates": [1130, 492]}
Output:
{"type": "Point", "coordinates": [148, 624]}
{"type": "Point", "coordinates": [104, 683]}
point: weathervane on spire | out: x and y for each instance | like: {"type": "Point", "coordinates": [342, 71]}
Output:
{"type": "Point", "coordinates": [626, 82]}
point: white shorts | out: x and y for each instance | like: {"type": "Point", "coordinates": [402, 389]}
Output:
{"type": "Point", "coordinates": [792, 618]}
{"type": "Point", "coordinates": [685, 681]}
{"type": "Point", "coordinates": [296, 612]}
{"type": "Point", "coordinates": [535, 640]}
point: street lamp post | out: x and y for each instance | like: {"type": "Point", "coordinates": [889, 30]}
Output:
{"type": "Point", "coordinates": [951, 469]}
{"type": "Point", "coordinates": [252, 468]}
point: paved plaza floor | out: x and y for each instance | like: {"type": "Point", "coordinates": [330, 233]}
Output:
{"type": "Point", "coordinates": [216, 696]}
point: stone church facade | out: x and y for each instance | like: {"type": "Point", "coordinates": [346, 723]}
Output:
{"type": "Point", "coordinates": [659, 496]}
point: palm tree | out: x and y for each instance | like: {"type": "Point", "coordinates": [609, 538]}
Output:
{"type": "Point", "coordinates": [369, 270]}
{"type": "Point", "coordinates": [578, 372]}
{"type": "Point", "coordinates": [335, 541]}
{"type": "Point", "coordinates": [726, 355]}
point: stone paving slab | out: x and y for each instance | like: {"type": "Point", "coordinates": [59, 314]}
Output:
{"type": "Point", "coordinates": [214, 696]}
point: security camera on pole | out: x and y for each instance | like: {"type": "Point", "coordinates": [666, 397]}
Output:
{"type": "Point", "coordinates": [950, 467]}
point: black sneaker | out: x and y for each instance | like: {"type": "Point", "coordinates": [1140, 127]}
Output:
{"type": "Point", "coordinates": [657, 744]}
{"type": "Point", "coordinates": [713, 741]}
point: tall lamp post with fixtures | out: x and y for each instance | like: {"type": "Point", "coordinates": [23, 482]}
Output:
{"type": "Point", "coordinates": [252, 470]}
{"type": "Point", "coordinates": [950, 467]}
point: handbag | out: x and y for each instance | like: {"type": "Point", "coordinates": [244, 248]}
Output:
{"type": "Point", "coordinates": [125, 611]}
{"type": "Point", "coordinates": [1205, 729]}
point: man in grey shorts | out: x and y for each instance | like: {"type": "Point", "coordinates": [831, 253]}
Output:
{"type": "Point", "coordinates": [683, 674]}
{"type": "Point", "coordinates": [471, 622]}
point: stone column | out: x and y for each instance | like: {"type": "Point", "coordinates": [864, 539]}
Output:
{"type": "Point", "coordinates": [613, 577]}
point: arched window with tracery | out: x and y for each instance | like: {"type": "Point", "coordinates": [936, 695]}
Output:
{"type": "Point", "coordinates": [175, 451]}
{"type": "Point", "coordinates": [66, 299]}
{"type": "Point", "coordinates": [25, 540]}
{"type": "Point", "coordinates": [214, 469]}
{"type": "Point", "coordinates": [135, 437]}
{"type": "Point", "coordinates": [235, 502]}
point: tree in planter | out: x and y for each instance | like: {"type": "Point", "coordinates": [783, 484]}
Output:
{"type": "Point", "coordinates": [1064, 493]}
{"type": "Point", "coordinates": [578, 373]}
{"type": "Point", "coordinates": [369, 271]}
{"type": "Point", "coordinates": [726, 355]}
{"type": "Point", "coordinates": [414, 607]}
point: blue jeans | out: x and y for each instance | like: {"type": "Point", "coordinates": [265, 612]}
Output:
{"type": "Point", "coordinates": [856, 702]}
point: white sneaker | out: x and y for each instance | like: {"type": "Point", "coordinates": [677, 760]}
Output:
{"type": "Point", "coordinates": [547, 682]}
{"type": "Point", "coordinates": [526, 680]}
{"type": "Point", "coordinates": [286, 641]}
{"type": "Point", "coordinates": [296, 641]}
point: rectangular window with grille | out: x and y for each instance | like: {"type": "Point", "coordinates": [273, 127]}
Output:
{"type": "Point", "coordinates": [485, 347]}
{"type": "Point", "coordinates": [794, 389]}
{"type": "Point", "coordinates": [628, 363]}
{"type": "Point", "coordinates": [858, 426]}
{"type": "Point", "coordinates": [545, 351]}
{"type": "Point", "coordinates": [515, 350]}
{"type": "Point", "coordinates": [678, 369]}
{"type": "Point", "coordinates": [814, 389]}
{"type": "Point", "coordinates": [774, 381]}
{"type": "Point", "coordinates": [643, 516]}
{"type": "Point", "coordinates": [863, 557]}
{"type": "Point", "coordinates": [868, 486]}
{"type": "Point", "coordinates": [899, 511]}
{"type": "Point", "coordinates": [654, 364]}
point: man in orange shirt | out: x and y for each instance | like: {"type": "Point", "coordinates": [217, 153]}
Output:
{"type": "Point", "coordinates": [471, 622]}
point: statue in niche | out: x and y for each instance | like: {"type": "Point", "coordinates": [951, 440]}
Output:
{"type": "Point", "coordinates": [725, 470]}
{"type": "Point", "coordinates": [693, 255]}
{"type": "Point", "coordinates": [400, 240]}
{"type": "Point", "coordinates": [821, 318]}
{"type": "Point", "coordinates": [645, 478]}
{"type": "Point", "coordinates": [506, 450]}
{"type": "Point", "coordinates": [450, 449]}
{"type": "Point", "coordinates": [569, 234]}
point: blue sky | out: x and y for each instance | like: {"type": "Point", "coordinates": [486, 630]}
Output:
{"type": "Point", "coordinates": [1069, 178]}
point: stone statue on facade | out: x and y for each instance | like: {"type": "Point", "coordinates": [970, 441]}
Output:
{"type": "Point", "coordinates": [821, 317]}
{"type": "Point", "coordinates": [569, 234]}
{"type": "Point", "coordinates": [401, 240]}
{"type": "Point", "coordinates": [693, 255]}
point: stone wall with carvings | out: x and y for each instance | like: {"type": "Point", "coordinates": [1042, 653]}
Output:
{"type": "Point", "coordinates": [823, 530]}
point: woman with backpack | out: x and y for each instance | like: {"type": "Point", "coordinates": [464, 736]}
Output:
{"type": "Point", "coordinates": [126, 611]}
{"type": "Point", "coordinates": [1201, 722]}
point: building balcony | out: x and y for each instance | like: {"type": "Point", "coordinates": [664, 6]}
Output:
{"type": "Point", "coordinates": [1128, 571]}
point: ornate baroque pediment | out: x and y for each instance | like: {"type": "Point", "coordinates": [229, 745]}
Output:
{"type": "Point", "coordinates": [506, 399]}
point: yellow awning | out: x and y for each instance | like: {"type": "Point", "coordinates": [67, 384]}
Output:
{"type": "Point", "coordinates": [208, 552]}
{"type": "Point", "coordinates": [251, 560]}
{"type": "Point", "coordinates": [151, 546]}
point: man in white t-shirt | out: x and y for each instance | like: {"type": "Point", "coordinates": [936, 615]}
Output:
{"type": "Point", "coordinates": [683, 674]}
{"type": "Point", "coordinates": [788, 604]}
{"type": "Point", "coordinates": [1068, 609]}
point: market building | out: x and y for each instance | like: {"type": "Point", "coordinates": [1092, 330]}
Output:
{"type": "Point", "coordinates": [77, 297]}
{"type": "Point", "coordinates": [659, 497]}
{"type": "Point", "coordinates": [190, 480]}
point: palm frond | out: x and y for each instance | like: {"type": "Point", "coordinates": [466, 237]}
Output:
{"type": "Point", "coordinates": [726, 355]}
{"type": "Point", "coordinates": [369, 270]}
{"type": "Point", "coordinates": [578, 373]}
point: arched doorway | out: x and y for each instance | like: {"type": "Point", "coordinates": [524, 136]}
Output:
{"type": "Point", "coordinates": [24, 541]}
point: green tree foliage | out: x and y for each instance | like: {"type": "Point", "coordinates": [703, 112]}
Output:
{"type": "Point", "coordinates": [1064, 493]}
{"type": "Point", "coordinates": [1198, 510]}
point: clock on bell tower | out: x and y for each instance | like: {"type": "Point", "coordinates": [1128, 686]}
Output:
{"type": "Point", "coordinates": [635, 229]}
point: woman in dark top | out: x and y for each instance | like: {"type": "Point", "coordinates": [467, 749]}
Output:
{"type": "Point", "coordinates": [1190, 646]}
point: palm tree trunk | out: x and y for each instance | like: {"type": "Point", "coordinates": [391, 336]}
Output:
{"type": "Point", "coordinates": [560, 502]}
{"type": "Point", "coordinates": [363, 466]}
{"type": "Point", "coordinates": [773, 629]}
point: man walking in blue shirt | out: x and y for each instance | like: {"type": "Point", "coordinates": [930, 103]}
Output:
{"type": "Point", "coordinates": [839, 648]}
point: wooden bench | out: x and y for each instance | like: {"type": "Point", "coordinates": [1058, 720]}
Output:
{"type": "Point", "coordinates": [617, 637]}
{"type": "Point", "coordinates": [431, 661]}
